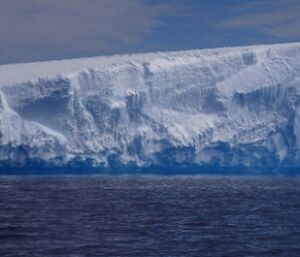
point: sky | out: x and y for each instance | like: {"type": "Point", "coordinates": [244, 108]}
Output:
{"type": "Point", "coordinates": [36, 30]}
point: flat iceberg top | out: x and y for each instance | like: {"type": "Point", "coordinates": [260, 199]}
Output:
{"type": "Point", "coordinates": [22, 72]}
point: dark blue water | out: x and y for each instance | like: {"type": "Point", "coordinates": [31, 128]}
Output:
{"type": "Point", "coordinates": [149, 216]}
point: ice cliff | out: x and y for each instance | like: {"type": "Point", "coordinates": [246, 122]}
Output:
{"type": "Point", "coordinates": [210, 110]}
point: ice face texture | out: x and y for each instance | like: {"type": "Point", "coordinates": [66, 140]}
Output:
{"type": "Point", "coordinates": [219, 109]}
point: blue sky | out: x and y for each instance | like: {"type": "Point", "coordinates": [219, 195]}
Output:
{"type": "Point", "coordinates": [33, 30]}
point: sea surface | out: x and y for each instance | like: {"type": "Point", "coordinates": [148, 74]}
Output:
{"type": "Point", "coordinates": [149, 216]}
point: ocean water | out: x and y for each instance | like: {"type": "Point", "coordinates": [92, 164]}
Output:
{"type": "Point", "coordinates": [149, 216]}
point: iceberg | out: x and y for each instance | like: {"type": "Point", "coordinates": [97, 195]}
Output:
{"type": "Point", "coordinates": [214, 110]}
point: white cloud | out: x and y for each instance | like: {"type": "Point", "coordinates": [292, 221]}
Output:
{"type": "Point", "coordinates": [278, 18]}
{"type": "Point", "coordinates": [35, 29]}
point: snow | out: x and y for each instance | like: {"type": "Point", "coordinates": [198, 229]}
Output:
{"type": "Point", "coordinates": [225, 107]}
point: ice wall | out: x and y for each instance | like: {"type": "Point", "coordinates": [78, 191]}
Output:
{"type": "Point", "coordinates": [201, 110]}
